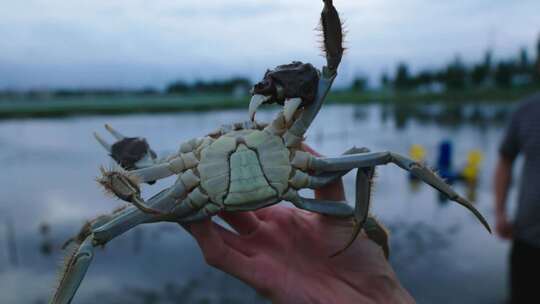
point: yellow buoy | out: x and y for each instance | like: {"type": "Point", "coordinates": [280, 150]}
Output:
{"type": "Point", "coordinates": [472, 167]}
{"type": "Point", "coordinates": [417, 153]}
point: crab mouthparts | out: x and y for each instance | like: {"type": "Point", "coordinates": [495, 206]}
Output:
{"type": "Point", "coordinates": [290, 107]}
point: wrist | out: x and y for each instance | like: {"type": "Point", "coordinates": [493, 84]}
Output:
{"type": "Point", "coordinates": [386, 289]}
{"type": "Point", "coordinates": [375, 289]}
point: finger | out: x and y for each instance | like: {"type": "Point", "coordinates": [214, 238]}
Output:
{"type": "Point", "coordinates": [243, 222]}
{"type": "Point", "coordinates": [309, 149]}
{"type": "Point", "coordinates": [218, 247]}
{"type": "Point", "coordinates": [235, 241]}
{"type": "Point", "coordinates": [264, 214]}
{"type": "Point", "coordinates": [332, 192]}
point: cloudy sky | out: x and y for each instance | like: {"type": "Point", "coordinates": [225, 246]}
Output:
{"type": "Point", "coordinates": [121, 43]}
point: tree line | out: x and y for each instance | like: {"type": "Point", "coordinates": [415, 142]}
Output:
{"type": "Point", "coordinates": [457, 75]}
{"type": "Point", "coordinates": [518, 71]}
{"type": "Point", "coordinates": [212, 86]}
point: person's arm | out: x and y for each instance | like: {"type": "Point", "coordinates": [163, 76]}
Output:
{"type": "Point", "coordinates": [508, 150]}
{"type": "Point", "coordinates": [502, 182]}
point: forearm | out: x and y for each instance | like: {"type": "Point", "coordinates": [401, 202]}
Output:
{"type": "Point", "coordinates": [502, 182]}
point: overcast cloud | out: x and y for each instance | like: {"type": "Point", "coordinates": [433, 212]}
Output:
{"type": "Point", "coordinates": [58, 43]}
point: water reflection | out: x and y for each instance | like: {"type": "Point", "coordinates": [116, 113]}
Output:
{"type": "Point", "coordinates": [46, 246]}
{"type": "Point", "coordinates": [446, 114]}
{"type": "Point", "coordinates": [195, 290]}
{"type": "Point", "coordinates": [412, 241]}
{"type": "Point", "coordinates": [11, 242]}
{"type": "Point", "coordinates": [47, 180]}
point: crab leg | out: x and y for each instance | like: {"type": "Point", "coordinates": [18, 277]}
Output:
{"type": "Point", "coordinates": [102, 232]}
{"type": "Point", "coordinates": [381, 158]}
{"type": "Point", "coordinates": [333, 47]}
{"type": "Point", "coordinates": [144, 159]}
{"type": "Point", "coordinates": [114, 133]}
{"type": "Point", "coordinates": [76, 268]}
{"type": "Point", "coordinates": [77, 263]}
{"type": "Point", "coordinates": [364, 177]}
{"type": "Point", "coordinates": [103, 142]}
{"type": "Point", "coordinates": [332, 208]}
{"type": "Point", "coordinates": [376, 232]}
{"type": "Point", "coordinates": [133, 216]}
{"type": "Point", "coordinates": [321, 179]}
{"type": "Point", "coordinates": [295, 135]}
{"type": "Point", "coordinates": [167, 168]}
{"type": "Point", "coordinates": [195, 217]}
{"type": "Point", "coordinates": [333, 36]}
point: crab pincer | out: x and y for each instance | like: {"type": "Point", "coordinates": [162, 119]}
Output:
{"type": "Point", "coordinates": [332, 35]}
{"type": "Point", "coordinates": [125, 187]}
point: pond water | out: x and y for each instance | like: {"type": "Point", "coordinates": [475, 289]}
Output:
{"type": "Point", "coordinates": [439, 250]}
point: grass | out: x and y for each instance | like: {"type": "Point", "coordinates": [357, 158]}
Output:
{"type": "Point", "coordinates": [125, 104]}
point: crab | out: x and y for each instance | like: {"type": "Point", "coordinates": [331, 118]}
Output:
{"type": "Point", "coordinates": [244, 166]}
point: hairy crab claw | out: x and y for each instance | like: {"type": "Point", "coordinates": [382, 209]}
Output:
{"type": "Point", "coordinates": [292, 85]}
{"type": "Point", "coordinates": [125, 187]}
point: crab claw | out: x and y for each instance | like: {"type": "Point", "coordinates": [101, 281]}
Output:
{"type": "Point", "coordinates": [118, 183]}
{"type": "Point", "coordinates": [256, 101]}
{"type": "Point", "coordinates": [124, 187]}
{"type": "Point", "coordinates": [333, 35]}
{"type": "Point", "coordinates": [290, 107]}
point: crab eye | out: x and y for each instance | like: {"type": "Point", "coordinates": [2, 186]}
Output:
{"type": "Point", "coordinates": [265, 87]}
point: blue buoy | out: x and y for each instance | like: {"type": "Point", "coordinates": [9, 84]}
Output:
{"type": "Point", "coordinates": [444, 161]}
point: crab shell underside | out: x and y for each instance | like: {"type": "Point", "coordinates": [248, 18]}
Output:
{"type": "Point", "coordinates": [242, 170]}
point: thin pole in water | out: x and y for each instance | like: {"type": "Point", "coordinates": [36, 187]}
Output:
{"type": "Point", "coordinates": [11, 242]}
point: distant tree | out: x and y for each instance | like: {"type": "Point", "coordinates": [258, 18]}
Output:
{"type": "Point", "coordinates": [240, 81]}
{"type": "Point", "coordinates": [147, 91]}
{"type": "Point", "coordinates": [482, 73]}
{"type": "Point", "coordinates": [537, 72]}
{"type": "Point", "coordinates": [456, 75]}
{"type": "Point", "coordinates": [178, 87]}
{"type": "Point", "coordinates": [385, 80]}
{"type": "Point", "coordinates": [488, 60]}
{"type": "Point", "coordinates": [504, 73]}
{"type": "Point", "coordinates": [424, 78]}
{"type": "Point", "coordinates": [212, 86]}
{"type": "Point", "coordinates": [479, 74]}
{"type": "Point", "coordinates": [402, 79]}
{"type": "Point", "coordinates": [523, 59]}
{"type": "Point", "coordinates": [360, 83]}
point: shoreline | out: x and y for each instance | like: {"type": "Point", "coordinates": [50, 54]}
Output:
{"type": "Point", "coordinates": [161, 103]}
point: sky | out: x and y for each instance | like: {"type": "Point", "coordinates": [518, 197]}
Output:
{"type": "Point", "coordinates": [139, 43]}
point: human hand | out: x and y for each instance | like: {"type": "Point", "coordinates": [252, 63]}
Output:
{"type": "Point", "coordinates": [503, 227]}
{"type": "Point", "coordinates": [284, 253]}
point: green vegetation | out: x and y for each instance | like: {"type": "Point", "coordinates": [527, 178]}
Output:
{"type": "Point", "coordinates": [516, 72]}
{"type": "Point", "coordinates": [114, 104]}
{"type": "Point", "coordinates": [453, 84]}
{"type": "Point", "coordinates": [124, 104]}
{"type": "Point", "coordinates": [465, 96]}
